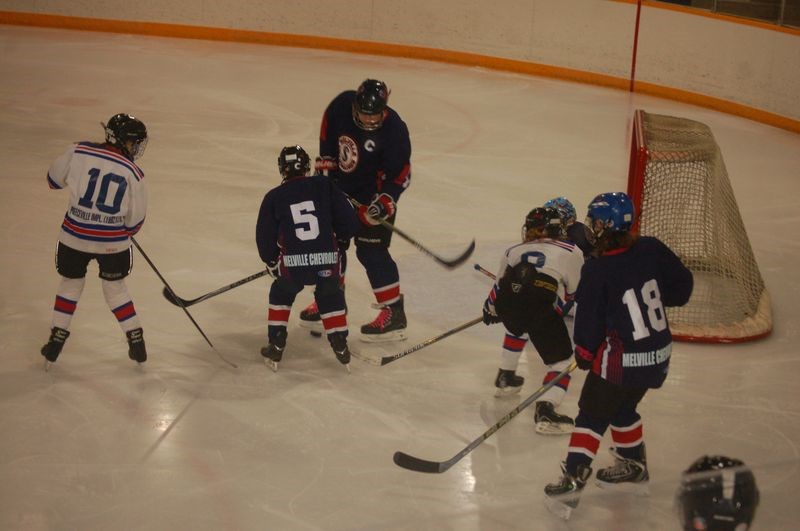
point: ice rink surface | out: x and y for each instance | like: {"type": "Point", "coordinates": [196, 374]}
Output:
{"type": "Point", "coordinates": [189, 443]}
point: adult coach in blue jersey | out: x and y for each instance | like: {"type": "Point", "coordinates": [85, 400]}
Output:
{"type": "Point", "coordinates": [303, 229]}
{"type": "Point", "coordinates": [365, 149]}
{"type": "Point", "coordinates": [622, 338]}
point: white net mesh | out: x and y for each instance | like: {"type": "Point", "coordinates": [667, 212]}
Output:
{"type": "Point", "coordinates": [688, 203]}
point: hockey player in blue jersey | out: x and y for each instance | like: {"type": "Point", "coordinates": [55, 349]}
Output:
{"type": "Point", "coordinates": [108, 203]}
{"type": "Point", "coordinates": [303, 229]}
{"type": "Point", "coordinates": [622, 338]}
{"type": "Point", "coordinates": [365, 149]}
{"type": "Point", "coordinates": [547, 270]}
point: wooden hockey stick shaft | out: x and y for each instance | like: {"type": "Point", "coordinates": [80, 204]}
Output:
{"type": "Point", "coordinates": [416, 464]}
{"type": "Point", "coordinates": [450, 264]}
{"type": "Point", "coordinates": [178, 301]}
{"type": "Point", "coordinates": [166, 284]}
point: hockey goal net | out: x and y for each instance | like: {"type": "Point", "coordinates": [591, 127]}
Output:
{"type": "Point", "coordinates": [679, 185]}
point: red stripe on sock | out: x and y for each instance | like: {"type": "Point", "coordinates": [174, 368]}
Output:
{"type": "Point", "coordinates": [584, 440]}
{"type": "Point", "coordinates": [628, 437]}
{"type": "Point", "coordinates": [65, 305]}
{"type": "Point", "coordinates": [514, 343]}
{"type": "Point", "coordinates": [390, 294]}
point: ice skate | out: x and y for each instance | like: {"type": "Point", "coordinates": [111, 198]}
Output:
{"type": "Point", "coordinates": [389, 325]}
{"type": "Point", "coordinates": [340, 349]}
{"type": "Point", "coordinates": [273, 352]}
{"type": "Point", "coordinates": [625, 475]}
{"type": "Point", "coordinates": [311, 320]}
{"type": "Point", "coordinates": [53, 347]}
{"type": "Point", "coordinates": [136, 348]}
{"type": "Point", "coordinates": [507, 383]}
{"type": "Point", "coordinates": [563, 496]}
{"type": "Point", "coordinates": [548, 422]}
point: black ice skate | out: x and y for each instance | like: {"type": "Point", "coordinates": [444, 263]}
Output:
{"type": "Point", "coordinates": [310, 319]}
{"type": "Point", "coordinates": [389, 325]}
{"type": "Point", "coordinates": [273, 352]}
{"type": "Point", "coordinates": [136, 350]}
{"type": "Point", "coordinates": [625, 475]}
{"type": "Point", "coordinates": [340, 349]}
{"type": "Point", "coordinates": [548, 422]}
{"type": "Point", "coordinates": [54, 344]}
{"type": "Point", "coordinates": [507, 383]}
{"type": "Point", "coordinates": [563, 496]}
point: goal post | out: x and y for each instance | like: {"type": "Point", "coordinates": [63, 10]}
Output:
{"type": "Point", "coordinates": [680, 188]}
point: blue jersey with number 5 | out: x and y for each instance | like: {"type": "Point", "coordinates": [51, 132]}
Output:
{"type": "Point", "coordinates": [299, 224]}
{"type": "Point", "coordinates": [621, 321]}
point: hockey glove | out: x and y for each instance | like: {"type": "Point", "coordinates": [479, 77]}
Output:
{"type": "Point", "coordinates": [489, 313]}
{"type": "Point", "coordinates": [322, 165]}
{"type": "Point", "coordinates": [382, 207]}
{"type": "Point", "coordinates": [273, 269]}
{"type": "Point", "coordinates": [343, 244]}
{"type": "Point", "coordinates": [583, 358]}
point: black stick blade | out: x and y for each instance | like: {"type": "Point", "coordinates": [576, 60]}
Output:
{"type": "Point", "coordinates": [171, 297]}
{"type": "Point", "coordinates": [409, 462]}
{"type": "Point", "coordinates": [459, 260]}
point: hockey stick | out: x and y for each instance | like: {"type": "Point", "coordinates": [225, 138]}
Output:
{"type": "Point", "coordinates": [437, 467]}
{"type": "Point", "coordinates": [177, 301]}
{"type": "Point", "coordinates": [450, 264]}
{"type": "Point", "coordinates": [485, 271]}
{"type": "Point", "coordinates": [167, 286]}
{"type": "Point", "coordinates": [430, 341]}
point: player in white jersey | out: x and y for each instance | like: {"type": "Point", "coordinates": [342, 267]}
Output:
{"type": "Point", "coordinates": [533, 276]}
{"type": "Point", "coordinates": [108, 202]}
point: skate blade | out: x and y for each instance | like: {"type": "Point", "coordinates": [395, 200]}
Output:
{"type": "Point", "coordinates": [506, 392]}
{"type": "Point", "coordinates": [557, 507]}
{"type": "Point", "coordinates": [628, 487]}
{"type": "Point", "coordinates": [395, 335]}
{"type": "Point", "coordinates": [271, 364]}
{"type": "Point", "coordinates": [347, 368]}
{"type": "Point", "coordinates": [47, 365]}
{"type": "Point", "coordinates": [547, 428]}
{"type": "Point", "coordinates": [313, 326]}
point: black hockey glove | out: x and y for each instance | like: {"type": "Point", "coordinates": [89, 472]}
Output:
{"type": "Point", "coordinates": [583, 358]}
{"type": "Point", "coordinates": [273, 269]}
{"type": "Point", "coordinates": [343, 244]}
{"type": "Point", "coordinates": [489, 313]}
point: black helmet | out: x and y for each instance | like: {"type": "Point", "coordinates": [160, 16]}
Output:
{"type": "Point", "coordinates": [546, 218]}
{"type": "Point", "coordinates": [372, 98]}
{"type": "Point", "coordinates": [293, 161]}
{"type": "Point", "coordinates": [717, 492]}
{"type": "Point", "coordinates": [123, 128]}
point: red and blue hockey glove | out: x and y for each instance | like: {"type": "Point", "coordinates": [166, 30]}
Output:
{"type": "Point", "coordinates": [322, 165]}
{"type": "Point", "coordinates": [382, 207]}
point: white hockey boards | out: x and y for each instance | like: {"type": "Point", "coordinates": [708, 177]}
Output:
{"type": "Point", "coordinates": [683, 196]}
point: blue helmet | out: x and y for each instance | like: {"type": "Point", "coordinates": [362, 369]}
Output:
{"type": "Point", "coordinates": [613, 211]}
{"type": "Point", "coordinates": [564, 207]}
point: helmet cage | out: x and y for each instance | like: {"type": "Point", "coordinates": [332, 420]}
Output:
{"type": "Point", "coordinates": [128, 134]}
{"type": "Point", "coordinates": [565, 209]}
{"type": "Point", "coordinates": [372, 98]}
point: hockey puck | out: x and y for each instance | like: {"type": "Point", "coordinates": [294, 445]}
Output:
{"type": "Point", "coordinates": [315, 333]}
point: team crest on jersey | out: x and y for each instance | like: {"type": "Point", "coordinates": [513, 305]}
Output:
{"type": "Point", "coordinates": [348, 154]}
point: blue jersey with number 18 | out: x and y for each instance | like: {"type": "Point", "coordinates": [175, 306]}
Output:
{"type": "Point", "coordinates": [621, 321]}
